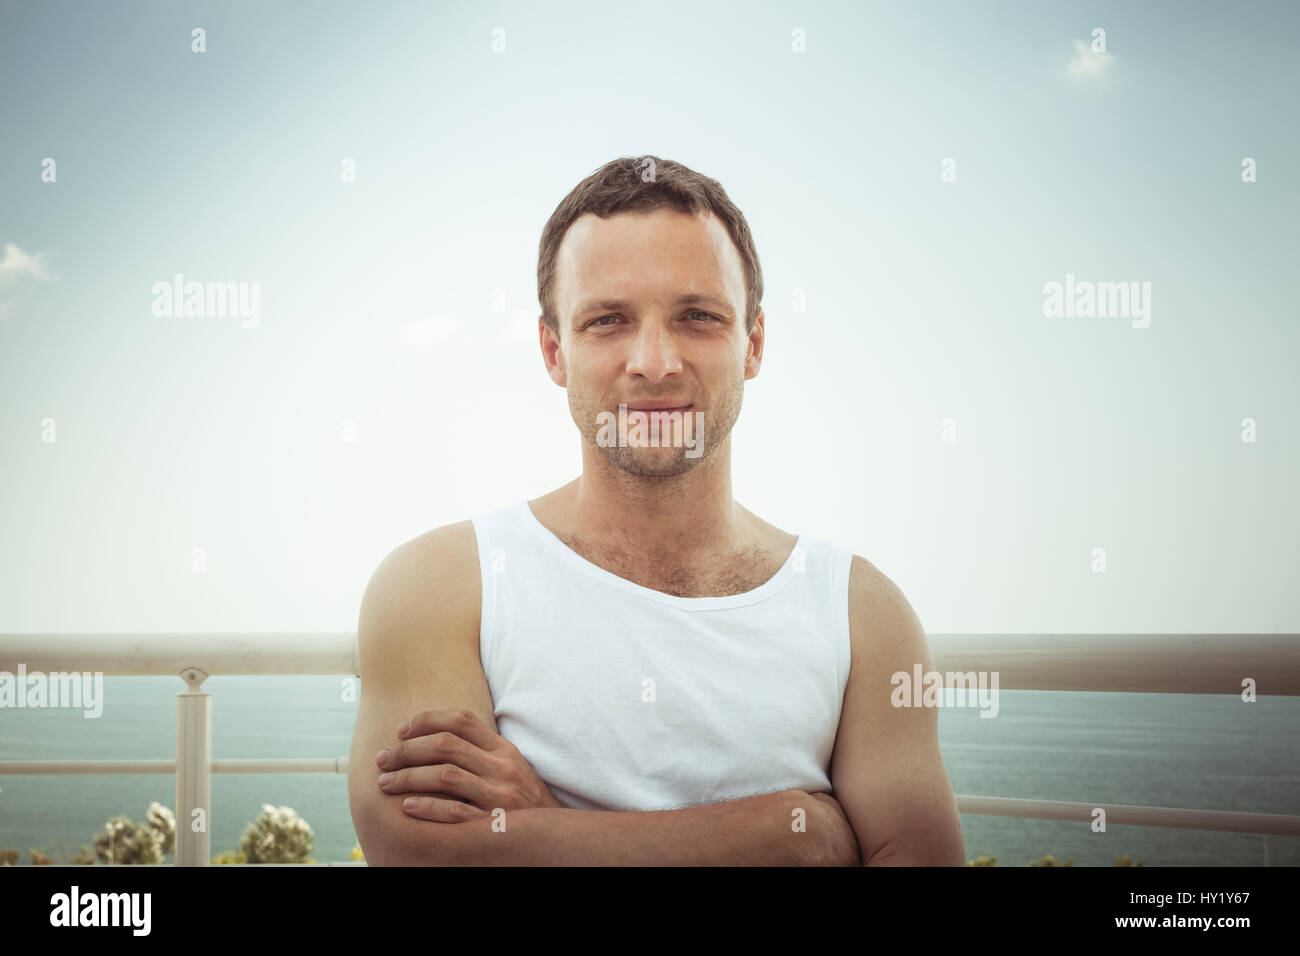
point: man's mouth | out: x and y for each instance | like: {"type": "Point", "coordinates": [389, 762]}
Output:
{"type": "Point", "coordinates": [656, 407]}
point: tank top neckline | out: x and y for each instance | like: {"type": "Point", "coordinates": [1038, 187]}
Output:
{"type": "Point", "coordinates": [767, 589]}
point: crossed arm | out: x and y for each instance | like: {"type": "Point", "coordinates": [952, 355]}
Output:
{"type": "Point", "coordinates": [470, 798]}
{"type": "Point", "coordinates": [450, 791]}
{"type": "Point", "coordinates": [480, 802]}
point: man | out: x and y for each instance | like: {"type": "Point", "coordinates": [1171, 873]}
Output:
{"type": "Point", "coordinates": [633, 668]}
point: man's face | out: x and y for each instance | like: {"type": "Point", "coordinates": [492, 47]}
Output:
{"type": "Point", "coordinates": [627, 336]}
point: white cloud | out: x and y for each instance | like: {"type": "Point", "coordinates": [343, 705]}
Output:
{"type": "Point", "coordinates": [1086, 65]}
{"type": "Point", "coordinates": [17, 265]}
{"type": "Point", "coordinates": [16, 269]}
{"type": "Point", "coordinates": [434, 328]}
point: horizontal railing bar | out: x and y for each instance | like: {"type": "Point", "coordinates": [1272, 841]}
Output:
{"type": "Point", "coordinates": [86, 766]}
{"type": "Point", "coordinates": [283, 765]}
{"type": "Point", "coordinates": [1127, 663]}
{"type": "Point", "coordinates": [144, 655]}
{"type": "Point", "coordinates": [258, 765]}
{"type": "Point", "coordinates": [1136, 663]}
{"type": "Point", "coordinates": [1229, 820]}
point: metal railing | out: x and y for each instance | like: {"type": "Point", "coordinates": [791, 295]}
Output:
{"type": "Point", "coordinates": [1148, 663]}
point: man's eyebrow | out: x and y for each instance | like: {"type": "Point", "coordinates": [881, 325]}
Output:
{"type": "Point", "coordinates": [616, 305]}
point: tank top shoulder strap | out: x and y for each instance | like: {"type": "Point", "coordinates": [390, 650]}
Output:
{"type": "Point", "coordinates": [825, 596]}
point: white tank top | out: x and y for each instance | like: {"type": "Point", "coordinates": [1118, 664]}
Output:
{"type": "Point", "coordinates": [626, 698]}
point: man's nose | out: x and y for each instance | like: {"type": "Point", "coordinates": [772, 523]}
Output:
{"type": "Point", "coordinates": [655, 352]}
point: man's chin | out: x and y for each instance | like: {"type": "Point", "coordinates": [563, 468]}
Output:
{"type": "Point", "coordinates": [653, 462]}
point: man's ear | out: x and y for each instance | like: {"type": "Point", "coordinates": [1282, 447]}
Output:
{"type": "Point", "coordinates": [551, 353]}
{"type": "Point", "coordinates": [754, 347]}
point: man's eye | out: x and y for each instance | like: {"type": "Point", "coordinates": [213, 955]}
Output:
{"type": "Point", "coordinates": [600, 322]}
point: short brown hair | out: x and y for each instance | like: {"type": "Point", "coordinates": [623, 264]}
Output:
{"type": "Point", "coordinates": [618, 187]}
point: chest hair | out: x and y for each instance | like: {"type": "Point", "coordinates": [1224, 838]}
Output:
{"type": "Point", "coordinates": [664, 570]}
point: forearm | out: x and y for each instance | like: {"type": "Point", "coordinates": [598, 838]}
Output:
{"type": "Point", "coordinates": [754, 831]}
{"type": "Point", "coordinates": [933, 841]}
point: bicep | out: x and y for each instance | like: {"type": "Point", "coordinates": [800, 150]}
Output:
{"type": "Point", "coordinates": [886, 770]}
{"type": "Point", "coordinates": [417, 635]}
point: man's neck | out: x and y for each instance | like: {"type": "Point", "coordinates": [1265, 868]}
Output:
{"type": "Point", "coordinates": [693, 512]}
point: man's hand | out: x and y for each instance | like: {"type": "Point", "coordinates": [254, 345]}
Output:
{"type": "Point", "coordinates": [451, 752]}
{"type": "Point", "coordinates": [842, 843]}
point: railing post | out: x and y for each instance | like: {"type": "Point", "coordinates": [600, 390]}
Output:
{"type": "Point", "coordinates": [193, 771]}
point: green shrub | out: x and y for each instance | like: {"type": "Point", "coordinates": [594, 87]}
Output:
{"type": "Point", "coordinates": [124, 842]}
{"type": "Point", "coordinates": [279, 835]}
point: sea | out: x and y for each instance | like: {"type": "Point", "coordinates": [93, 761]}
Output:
{"type": "Point", "coordinates": [1170, 750]}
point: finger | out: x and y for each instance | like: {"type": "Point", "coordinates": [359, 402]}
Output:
{"type": "Point", "coordinates": [441, 811]}
{"type": "Point", "coordinates": [459, 721]}
{"type": "Point", "coordinates": [442, 747]}
{"type": "Point", "coordinates": [440, 778]}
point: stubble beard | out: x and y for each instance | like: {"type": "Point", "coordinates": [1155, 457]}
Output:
{"type": "Point", "coordinates": [712, 426]}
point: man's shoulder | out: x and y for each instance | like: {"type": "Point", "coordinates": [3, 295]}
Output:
{"type": "Point", "coordinates": [449, 552]}
{"type": "Point", "coordinates": [455, 542]}
{"type": "Point", "coordinates": [868, 583]}
{"type": "Point", "coordinates": [882, 623]}
{"type": "Point", "coordinates": [435, 574]}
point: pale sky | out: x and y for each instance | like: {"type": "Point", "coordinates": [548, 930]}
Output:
{"type": "Point", "coordinates": [924, 298]}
